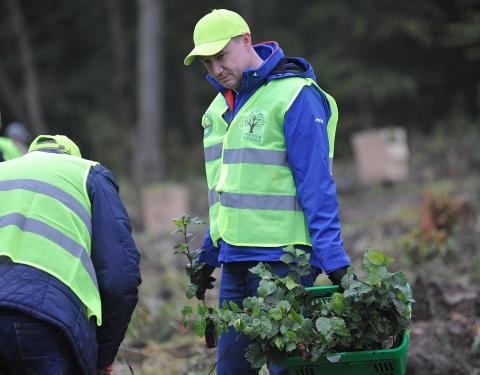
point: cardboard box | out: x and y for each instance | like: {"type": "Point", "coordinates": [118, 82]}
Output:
{"type": "Point", "coordinates": [381, 155]}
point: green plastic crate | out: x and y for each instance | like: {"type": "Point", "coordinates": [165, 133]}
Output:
{"type": "Point", "coordinates": [372, 362]}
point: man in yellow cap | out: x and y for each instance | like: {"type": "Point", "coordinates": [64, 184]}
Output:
{"type": "Point", "coordinates": [69, 268]}
{"type": "Point", "coordinates": [268, 141]}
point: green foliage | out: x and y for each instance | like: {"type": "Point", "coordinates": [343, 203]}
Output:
{"type": "Point", "coordinates": [373, 309]}
{"type": "Point", "coordinates": [208, 321]}
{"type": "Point", "coordinates": [192, 268]}
{"type": "Point", "coordinates": [362, 55]}
{"type": "Point", "coordinates": [281, 322]}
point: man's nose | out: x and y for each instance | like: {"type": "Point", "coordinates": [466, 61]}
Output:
{"type": "Point", "coordinates": [216, 68]}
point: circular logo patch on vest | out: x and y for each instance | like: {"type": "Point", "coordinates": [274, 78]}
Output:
{"type": "Point", "coordinates": [253, 125]}
{"type": "Point", "coordinates": [207, 123]}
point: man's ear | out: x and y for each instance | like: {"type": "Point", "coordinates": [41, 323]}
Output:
{"type": "Point", "coordinates": [247, 41]}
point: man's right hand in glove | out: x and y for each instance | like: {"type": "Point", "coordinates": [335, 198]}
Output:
{"type": "Point", "coordinates": [204, 280]}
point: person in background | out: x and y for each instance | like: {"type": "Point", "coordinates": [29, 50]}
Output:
{"type": "Point", "coordinates": [268, 141]}
{"type": "Point", "coordinates": [8, 148]}
{"type": "Point", "coordinates": [19, 134]}
{"type": "Point", "coordinates": [69, 267]}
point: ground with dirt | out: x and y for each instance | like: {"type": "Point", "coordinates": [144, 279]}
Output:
{"type": "Point", "coordinates": [429, 224]}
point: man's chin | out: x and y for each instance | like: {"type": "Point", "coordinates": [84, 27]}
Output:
{"type": "Point", "coordinates": [228, 84]}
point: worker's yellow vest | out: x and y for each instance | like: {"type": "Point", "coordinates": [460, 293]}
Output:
{"type": "Point", "coordinates": [9, 149]}
{"type": "Point", "coordinates": [45, 220]}
{"type": "Point", "coordinates": [252, 193]}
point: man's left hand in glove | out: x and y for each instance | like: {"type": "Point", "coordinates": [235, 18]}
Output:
{"type": "Point", "coordinates": [204, 280]}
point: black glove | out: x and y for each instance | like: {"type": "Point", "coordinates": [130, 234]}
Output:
{"type": "Point", "coordinates": [204, 280]}
{"type": "Point", "coordinates": [337, 275]}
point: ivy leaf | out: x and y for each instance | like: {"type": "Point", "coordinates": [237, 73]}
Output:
{"type": "Point", "coordinates": [304, 259]}
{"type": "Point", "coordinates": [239, 324]}
{"type": "Point", "coordinates": [284, 306]}
{"type": "Point", "coordinates": [324, 327]}
{"type": "Point", "coordinates": [289, 249]}
{"type": "Point", "coordinates": [191, 291]}
{"type": "Point", "coordinates": [275, 314]}
{"type": "Point", "coordinates": [197, 220]}
{"type": "Point", "coordinates": [202, 310]}
{"type": "Point", "coordinates": [316, 352]}
{"type": "Point", "coordinates": [296, 317]}
{"type": "Point", "coordinates": [186, 312]}
{"type": "Point", "coordinates": [265, 327]}
{"type": "Point", "coordinates": [266, 288]}
{"type": "Point", "coordinates": [339, 327]}
{"type": "Point", "coordinates": [200, 326]}
{"type": "Point", "coordinates": [376, 258]}
{"type": "Point", "coordinates": [178, 221]}
{"type": "Point", "coordinates": [255, 355]}
{"type": "Point", "coordinates": [181, 246]}
{"type": "Point", "coordinates": [291, 284]}
{"type": "Point", "coordinates": [261, 270]}
{"type": "Point", "coordinates": [290, 347]}
{"type": "Point", "coordinates": [176, 231]}
{"type": "Point", "coordinates": [287, 258]}
{"type": "Point", "coordinates": [337, 303]}
{"type": "Point", "coordinates": [279, 343]}
{"type": "Point", "coordinates": [234, 306]}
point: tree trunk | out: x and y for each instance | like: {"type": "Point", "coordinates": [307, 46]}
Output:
{"type": "Point", "coordinates": [10, 96]}
{"type": "Point", "coordinates": [147, 149]}
{"type": "Point", "coordinates": [26, 57]}
{"type": "Point", "coordinates": [121, 107]}
{"type": "Point", "coordinates": [191, 112]}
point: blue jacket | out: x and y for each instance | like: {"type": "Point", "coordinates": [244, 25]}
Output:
{"type": "Point", "coordinates": [116, 261]}
{"type": "Point", "coordinates": [307, 146]}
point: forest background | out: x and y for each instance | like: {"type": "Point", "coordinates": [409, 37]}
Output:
{"type": "Point", "coordinates": [110, 75]}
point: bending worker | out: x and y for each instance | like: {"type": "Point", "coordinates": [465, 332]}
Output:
{"type": "Point", "coordinates": [69, 268]}
{"type": "Point", "coordinates": [267, 159]}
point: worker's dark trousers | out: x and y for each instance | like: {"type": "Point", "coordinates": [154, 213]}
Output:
{"type": "Point", "coordinates": [238, 283]}
{"type": "Point", "coordinates": [29, 346]}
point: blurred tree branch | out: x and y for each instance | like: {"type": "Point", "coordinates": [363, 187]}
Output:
{"type": "Point", "coordinates": [34, 108]}
{"type": "Point", "coordinates": [10, 96]}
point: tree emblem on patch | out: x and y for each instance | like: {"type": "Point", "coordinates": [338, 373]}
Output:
{"type": "Point", "coordinates": [207, 124]}
{"type": "Point", "coordinates": [253, 125]}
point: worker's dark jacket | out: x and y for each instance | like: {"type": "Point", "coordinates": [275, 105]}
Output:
{"type": "Point", "coordinates": [116, 262]}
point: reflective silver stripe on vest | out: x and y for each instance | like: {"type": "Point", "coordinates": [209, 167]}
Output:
{"type": "Point", "coordinates": [260, 202]}
{"type": "Point", "coordinates": [53, 192]}
{"type": "Point", "coordinates": [213, 152]}
{"type": "Point", "coordinates": [54, 235]}
{"type": "Point", "coordinates": [212, 197]}
{"type": "Point", "coordinates": [255, 156]}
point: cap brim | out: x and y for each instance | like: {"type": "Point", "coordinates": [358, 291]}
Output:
{"type": "Point", "coordinates": [206, 49]}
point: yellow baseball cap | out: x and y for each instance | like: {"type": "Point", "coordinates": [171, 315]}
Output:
{"type": "Point", "coordinates": [60, 143]}
{"type": "Point", "coordinates": [213, 31]}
